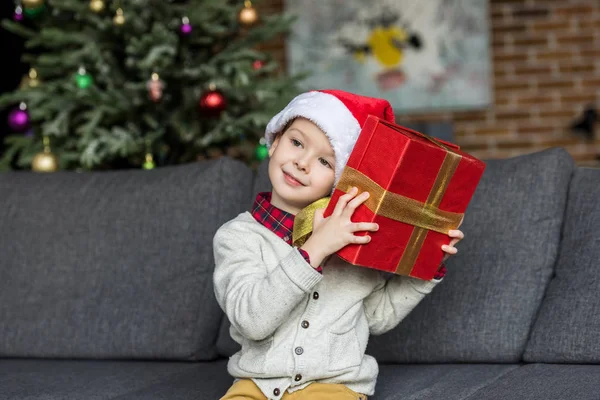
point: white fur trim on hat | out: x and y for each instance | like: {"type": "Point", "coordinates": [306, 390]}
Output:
{"type": "Point", "coordinates": [329, 114]}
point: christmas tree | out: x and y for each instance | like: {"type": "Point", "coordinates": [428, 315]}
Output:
{"type": "Point", "coordinates": [142, 83]}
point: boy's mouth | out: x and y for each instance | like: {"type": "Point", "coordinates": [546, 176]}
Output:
{"type": "Point", "coordinates": [291, 180]}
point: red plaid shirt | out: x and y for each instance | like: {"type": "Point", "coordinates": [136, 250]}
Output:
{"type": "Point", "coordinates": [282, 224]}
{"type": "Point", "coordinates": [276, 220]}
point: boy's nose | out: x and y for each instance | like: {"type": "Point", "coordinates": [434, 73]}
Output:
{"type": "Point", "coordinates": [301, 164]}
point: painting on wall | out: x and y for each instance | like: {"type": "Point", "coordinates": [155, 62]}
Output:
{"type": "Point", "coordinates": [421, 56]}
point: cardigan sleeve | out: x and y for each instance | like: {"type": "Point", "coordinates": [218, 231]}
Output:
{"type": "Point", "coordinates": [393, 299]}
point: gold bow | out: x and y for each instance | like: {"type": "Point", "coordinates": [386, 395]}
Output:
{"type": "Point", "coordinates": [303, 222]}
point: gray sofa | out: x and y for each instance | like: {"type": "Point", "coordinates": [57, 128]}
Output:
{"type": "Point", "coordinates": [105, 287]}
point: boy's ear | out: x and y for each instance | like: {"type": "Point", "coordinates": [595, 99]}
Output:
{"type": "Point", "coordinates": [274, 145]}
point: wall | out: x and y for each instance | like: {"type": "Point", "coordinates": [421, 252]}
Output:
{"type": "Point", "coordinates": [546, 62]}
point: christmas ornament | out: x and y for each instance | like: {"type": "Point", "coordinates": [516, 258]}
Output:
{"type": "Point", "coordinates": [97, 6]}
{"type": "Point", "coordinates": [32, 3]}
{"type": "Point", "coordinates": [45, 161]}
{"type": "Point", "coordinates": [31, 8]}
{"type": "Point", "coordinates": [258, 64]}
{"type": "Point", "coordinates": [31, 80]}
{"type": "Point", "coordinates": [33, 12]}
{"type": "Point", "coordinates": [18, 15]}
{"type": "Point", "coordinates": [155, 88]}
{"type": "Point", "coordinates": [18, 119]}
{"type": "Point", "coordinates": [119, 18]}
{"type": "Point", "coordinates": [149, 163]}
{"type": "Point", "coordinates": [261, 151]}
{"type": "Point", "coordinates": [248, 15]}
{"type": "Point", "coordinates": [186, 27]}
{"type": "Point", "coordinates": [84, 80]}
{"type": "Point", "coordinates": [213, 102]}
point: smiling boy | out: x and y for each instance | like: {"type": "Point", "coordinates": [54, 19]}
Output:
{"type": "Point", "coordinates": [303, 316]}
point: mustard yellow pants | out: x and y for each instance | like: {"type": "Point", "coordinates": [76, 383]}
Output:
{"type": "Point", "coordinates": [245, 389]}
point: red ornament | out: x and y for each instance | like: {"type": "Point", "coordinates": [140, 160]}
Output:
{"type": "Point", "coordinates": [212, 102]}
{"type": "Point", "coordinates": [258, 64]}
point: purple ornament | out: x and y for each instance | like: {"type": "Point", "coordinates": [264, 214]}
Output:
{"type": "Point", "coordinates": [18, 15]}
{"type": "Point", "coordinates": [186, 27]}
{"type": "Point", "coordinates": [18, 119]}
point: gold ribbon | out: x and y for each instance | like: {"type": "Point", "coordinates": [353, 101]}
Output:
{"type": "Point", "coordinates": [425, 216]}
{"type": "Point", "coordinates": [401, 208]}
{"type": "Point", "coordinates": [303, 222]}
{"type": "Point", "coordinates": [434, 199]}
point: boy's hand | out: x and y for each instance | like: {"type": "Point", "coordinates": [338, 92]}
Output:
{"type": "Point", "coordinates": [336, 231]}
{"type": "Point", "coordinates": [457, 236]}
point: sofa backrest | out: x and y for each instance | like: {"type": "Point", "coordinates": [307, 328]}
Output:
{"type": "Point", "coordinates": [114, 264]}
{"type": "Point", "coordinates": [567, 329]}
{"type": "Point", "coordinates": [484, 309]}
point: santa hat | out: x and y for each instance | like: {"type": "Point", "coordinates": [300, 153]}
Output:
{"type": "Point", "coordinates": [339, 114]}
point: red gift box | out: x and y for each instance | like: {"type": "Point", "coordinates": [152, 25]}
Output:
{"type": "Point", "coordinates": [420, 188]}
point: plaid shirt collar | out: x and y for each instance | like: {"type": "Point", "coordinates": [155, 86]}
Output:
{"type": "Point", "coordinates": [276, 220]}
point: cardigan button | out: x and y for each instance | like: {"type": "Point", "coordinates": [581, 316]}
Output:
{"type": "Point", "coordinates": [305, 324]}
{"type": "Point", "coordinates": [298, 378]}
{"type": "Point", "coordinates": [276, 392]}
{"type": "Point", "coordinates": [299, 350]}
{"type": "Point", "coordinates": [316, 295]}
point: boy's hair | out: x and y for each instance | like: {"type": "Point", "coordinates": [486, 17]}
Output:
{"type": "Point", "coordinates": [282, 130]}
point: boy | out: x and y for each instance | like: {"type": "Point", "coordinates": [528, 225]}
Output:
{"type": "Point", "coordinates": [303, 316]}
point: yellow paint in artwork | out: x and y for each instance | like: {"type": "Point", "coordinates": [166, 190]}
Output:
{"type": "Point", "coordinates": [382, 45]}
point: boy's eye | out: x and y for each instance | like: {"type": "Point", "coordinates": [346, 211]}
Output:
{"type": "Point", "coordinates": [296, 143]}
{"type": "Point", "coordinates": [325, 162]}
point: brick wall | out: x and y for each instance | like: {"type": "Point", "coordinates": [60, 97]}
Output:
{"type": "Point", "coordinates": [546, 63]}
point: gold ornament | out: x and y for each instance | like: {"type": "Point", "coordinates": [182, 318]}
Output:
{"type": "Point", "coordinates": [45, 161]}
{"type": "Point", "coordinates": [155, 88]}
{"type": "Point", "coordinates": [97, 6]}
{"type": "Point", "coordinates": [149, 163]}
{"type": "Point", "coordinates": [248, 15]}
{"type": "Point", "coordinates": [32, 3]}
{"type": "Point", "coordinates": [119, 19]}
{"type": "Point", "coordinates": [31, 80]}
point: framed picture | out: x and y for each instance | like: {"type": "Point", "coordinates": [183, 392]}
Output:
{"type": "Point", "coordinates": [428, 55]}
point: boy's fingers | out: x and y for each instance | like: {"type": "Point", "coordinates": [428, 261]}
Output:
{"type": "Point", "coordinates": [364, 226]}
{"type": "Point", "coordinates": [343, 201]}
{"type": "Point", "coordinates": [357, 201]}
{"type": "Point", "coordinates": [449, 249]}
{"type": "Point", "coordinates": [318, 217]}
{"type": "Point", "coordinates": [456, 233]}
{"type": "Point", "coordinates": [360, 239]}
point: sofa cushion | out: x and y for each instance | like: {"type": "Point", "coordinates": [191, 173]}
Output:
{"type": "Point", "coordinates": [568, 326]}
{"type": "Point", "coordinates": [484, 308]}
{"type": "Point", "coordinates": [545, 382]}
{"type": "Point", "coordinates": [437, 381]}
{"type": "Point", "coordinates": [114, 264]}
{"type": "Point", "coordinates": [122, 380]}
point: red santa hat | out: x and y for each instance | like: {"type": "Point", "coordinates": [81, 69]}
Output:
{"type": "Point", "coordinates": [339, 114]}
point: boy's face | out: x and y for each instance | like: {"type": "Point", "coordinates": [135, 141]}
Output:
{"type": "Point", "coordinates": [301, 166]}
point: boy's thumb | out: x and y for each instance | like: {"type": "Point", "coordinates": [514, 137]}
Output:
{"type": "Point", "coordinates": [318, 216]}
